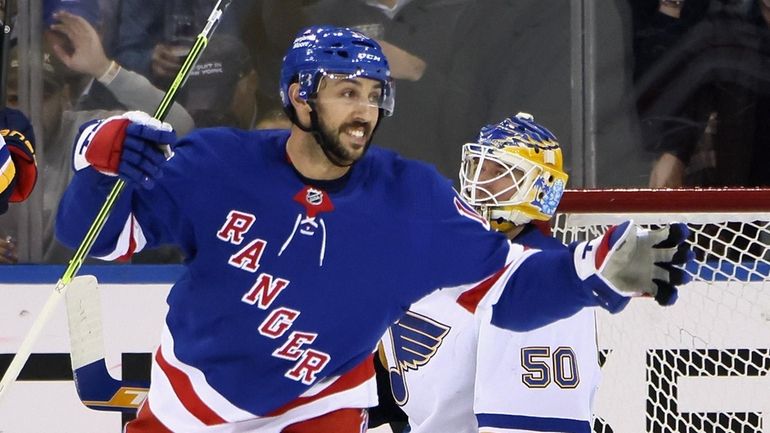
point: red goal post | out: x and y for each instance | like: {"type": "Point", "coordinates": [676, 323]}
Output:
{"type": "Point", "coordinates": [702, 365]}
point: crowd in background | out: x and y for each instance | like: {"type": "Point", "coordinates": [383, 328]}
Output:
{"type": "Point", "coordinates": [677, 95]}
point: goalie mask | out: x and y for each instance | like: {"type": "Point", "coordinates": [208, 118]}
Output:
{"type": "Point", "coordinates": [513, 174]}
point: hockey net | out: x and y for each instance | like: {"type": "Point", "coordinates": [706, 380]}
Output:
{"type": "Point", "coordinates": [703, 364]}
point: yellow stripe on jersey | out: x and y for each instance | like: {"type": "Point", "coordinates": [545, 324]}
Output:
{"type": "Point", "coordinates": [20, 136]}
{"type": "Point", "coordinates": [7, 173]}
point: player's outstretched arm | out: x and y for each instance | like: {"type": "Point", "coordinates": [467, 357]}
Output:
{"type": "Point", "coordinates": [132, 147]}
{"type": "Point", "coordinates": [608, 271]}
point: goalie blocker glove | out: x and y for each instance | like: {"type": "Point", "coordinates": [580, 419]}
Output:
{"type": "Point", "coordinates": [18, 168]}
{"type": "Point", "coordinates": [628, 261]}
{"type": "Point", "coordinates": [132, 146]}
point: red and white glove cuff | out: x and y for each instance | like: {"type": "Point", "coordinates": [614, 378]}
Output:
{"type": "Point", "coordinates": [100, 144]}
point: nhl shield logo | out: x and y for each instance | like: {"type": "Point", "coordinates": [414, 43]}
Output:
{"type": "Point", "coordinates": [314, 201]}
{"type": "Point", "coordinates": [314, 196]}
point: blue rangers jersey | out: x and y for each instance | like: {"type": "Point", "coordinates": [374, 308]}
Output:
{"type": "Point", "coordinates": [289, 286]}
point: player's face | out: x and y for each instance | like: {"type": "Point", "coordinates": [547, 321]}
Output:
{"type": "Point", "coordinates": [497, 180]}
{"type": "Point", "coordinates": [347, 114]}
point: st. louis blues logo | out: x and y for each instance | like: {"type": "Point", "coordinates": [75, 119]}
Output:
{"type": "Point", "coordinates": [415, 340]}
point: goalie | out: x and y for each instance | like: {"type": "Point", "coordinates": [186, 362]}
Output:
{"type": "Point", "coordinates": [303, 246]}
{"type": "Point", "coordinates": [541, 380]}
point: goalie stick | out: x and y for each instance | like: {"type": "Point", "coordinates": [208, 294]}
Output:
{"type": "Point", "coordinates": [94, 376]}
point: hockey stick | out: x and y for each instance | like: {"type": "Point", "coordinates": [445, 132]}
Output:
{"type": "Point", "coordinates": [18, 361]}
{"type": "Point", "coordinates": [96, 388]}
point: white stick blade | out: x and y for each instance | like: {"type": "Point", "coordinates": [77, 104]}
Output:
{"type": "Point", "coordinates": [85, 321]}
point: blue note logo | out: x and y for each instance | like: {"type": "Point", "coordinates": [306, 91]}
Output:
{"type": "Point", "coordinates": [416, 339]}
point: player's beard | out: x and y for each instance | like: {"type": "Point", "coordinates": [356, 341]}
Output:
{"type": "Point", "coordinates": [334, 149]}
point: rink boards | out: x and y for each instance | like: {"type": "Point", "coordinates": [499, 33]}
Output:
{"type": "Point", "coordinates": [44, 399]}
{"type": "Point", "coordinates": [133, 305]}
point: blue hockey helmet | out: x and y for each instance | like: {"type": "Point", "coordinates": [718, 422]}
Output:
{"type": "Point", "coordinates": [514, 173]}
{"type": "Point", "coordinates": [338, 52]}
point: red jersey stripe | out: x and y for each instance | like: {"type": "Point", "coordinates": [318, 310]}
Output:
{"type": "Point", "coordinates": [182, 386]}
{"type": "Point", "coordinates": [358, 375]}
{"type": "Point", "coordinates": [146, 422]}
{"type": "Point", "coordinates": [471, 298]}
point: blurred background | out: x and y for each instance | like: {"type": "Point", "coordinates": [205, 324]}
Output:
{"type": "Point", "coordinates": [640, 93]}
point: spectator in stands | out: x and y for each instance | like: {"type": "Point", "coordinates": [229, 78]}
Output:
{"type": "Point", "coordinates": [102, 14]}
{"type": "Point", "coordinates": [267, 27]}
{"type": "Point", "coordinates": [274, 120]}
{"type": "Point", "coordinates": [85, 93]}
{"type": "Point", "coordinates": [224, 69]}
{"type": "Point", "coordinates": [88, 9]}
{"type": "Point", "coordinates": [510, 54]}
{"type": "Point", "coordinates": [155, 36]}
{"type": "Point", "coordinates": [418, 39]}
{"type": "Point", "coordinates": [79, 51]}
{"type": "Point", "coordinates": [703, 91]}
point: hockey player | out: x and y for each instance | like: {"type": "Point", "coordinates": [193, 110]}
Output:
{"type": "Point", "coordinates": [18, 168]}
{"type": "Point", "coordinates": [542, 380]}
{"type": "Point", "coordinates": [302, 247]}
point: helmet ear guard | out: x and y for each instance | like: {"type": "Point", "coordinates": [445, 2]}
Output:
{"type": "Point", "coordinates": [514, 174]}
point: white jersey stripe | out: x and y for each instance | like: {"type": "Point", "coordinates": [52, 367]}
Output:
{"type": "Point", "coordinates": [132, 233]}
{"type": "Point", "coordinates": [166, 407]}
{"type": "Point", "coordinates": [170, 411]}
{"type": "Point", "coordinates": [214, 400]}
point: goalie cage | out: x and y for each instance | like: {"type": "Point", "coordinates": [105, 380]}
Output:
{"type": "Point", "coordinates": [701, 365]}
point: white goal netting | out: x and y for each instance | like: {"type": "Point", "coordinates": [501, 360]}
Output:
{"type": "Point", "coordinates": [703, 364]}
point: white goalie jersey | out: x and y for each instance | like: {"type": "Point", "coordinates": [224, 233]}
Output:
{"type": "Point", "coordinates": [542, 380]}
{"type": "Point", "coordinates": [430, 354]}
{"type": "Point", "coordinates": [454, 371]}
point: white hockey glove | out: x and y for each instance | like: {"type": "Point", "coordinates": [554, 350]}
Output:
{"type": "Point", "coordinates": [133, 146]}
{"type": "Point", "coordinates": [628, 261]}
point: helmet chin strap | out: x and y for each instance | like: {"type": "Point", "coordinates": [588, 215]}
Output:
{"type": "Point", "coordinates": [317, 133]}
